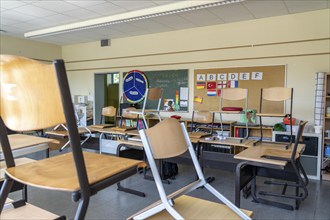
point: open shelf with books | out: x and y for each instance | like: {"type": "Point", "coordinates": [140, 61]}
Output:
{"type": "Point", "coordinates": [325, 166]}
{"type": "Point", "coordinates": [254, 131]}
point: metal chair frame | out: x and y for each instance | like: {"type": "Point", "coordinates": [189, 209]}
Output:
{"type": "Point", "coordinates": [166, 201]}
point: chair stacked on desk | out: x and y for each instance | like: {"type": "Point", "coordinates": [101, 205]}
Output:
{"type": "Point", "coordinates": [151, 95]}
{"type": "Point", "coordinates": [107, 112]}
{"type": "Point", "coordinates": [169, 139]}
{"type": "Point", "coordinates": [234, 95]}
{"type": "Point", "coordinates": [274, 95]}
{"type": "Point", "coordinates": [201, 124]}
{"type": "Point", "coordinates": [81, 173]}
{"type": "Point", "coordinates": [277, 162]}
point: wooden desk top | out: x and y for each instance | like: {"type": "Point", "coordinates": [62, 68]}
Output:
{"type": "Point", "coordinates": [59, 172]}
{"type": "Point", "coordinates": [65, 133]}
{"type": "Point", "coordinates": [133, 132]}
{"type": "Point", "coordinates": [19, 141]}
{"type": "Point", "coordinates": [27, 211]}
{"type": "Point", "coordinates": [131, 143]}
{"type": "Point", "coordinates": [194, 208]}
{"type": "Point", "coordinates": [229, 141]}
{"type": "Point", "coordinates": [255, 153]}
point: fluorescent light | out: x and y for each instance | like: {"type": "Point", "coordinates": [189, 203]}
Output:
{"type": "Point", "coordinates": [130, 16]}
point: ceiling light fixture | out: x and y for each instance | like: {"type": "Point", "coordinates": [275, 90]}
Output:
{"type": "Point", "coordinates": [129, 16]}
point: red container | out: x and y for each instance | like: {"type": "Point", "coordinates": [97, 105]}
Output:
{"type": "Point", "coordinates": [286, 121]}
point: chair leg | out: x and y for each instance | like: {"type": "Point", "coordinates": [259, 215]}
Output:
{"type": "Point", "coordinates": [82, 208]}
{"type": "Point", "coordinates": [6, 187]}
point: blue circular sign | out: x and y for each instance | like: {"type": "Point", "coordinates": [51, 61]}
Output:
{"type": "Point", "coordinates": [135, 86]}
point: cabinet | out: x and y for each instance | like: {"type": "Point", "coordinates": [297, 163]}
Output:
{"type": "Point", "coordinates": [326, 129]}
{"type": "Point", "coordinates": [311, 157]}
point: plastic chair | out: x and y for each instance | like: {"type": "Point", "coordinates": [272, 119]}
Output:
{"type": "Point", "coordinates": [37, 96]}
{"type": "Point", "coordinates": [152, 94]}
{"type": "Point", "coordinates": [169, 139]}
{"type": "Point", "coordinates": [234, 94]}
{"type": "Point", "coordinates": [274, 95]}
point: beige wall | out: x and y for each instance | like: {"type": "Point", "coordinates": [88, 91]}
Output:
{"type": "Point", "coordinates": [300, 41]}
{"type": "Point", "coordinates": [29, 48]}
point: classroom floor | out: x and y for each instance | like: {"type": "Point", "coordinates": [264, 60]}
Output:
{"type": "Point", "coordinates": [113, 204]}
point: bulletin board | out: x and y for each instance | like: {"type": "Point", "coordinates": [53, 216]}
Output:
{"type": "Point", "coordinates": [175, 88]}
{"type": "Point", "coordinates": [253, 78]}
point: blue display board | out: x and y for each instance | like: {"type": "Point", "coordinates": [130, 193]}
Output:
{"type": "Point", "coordinates": [135, 86]}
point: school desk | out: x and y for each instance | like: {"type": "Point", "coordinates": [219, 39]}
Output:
{"type": "Point", "coordinates": [254, 163]}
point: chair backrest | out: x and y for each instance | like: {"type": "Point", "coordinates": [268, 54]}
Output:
{"type": "Point", "coordinates": [126, 113]}
{"type": "Point", "coordinates": [36, 96]}
{"type": "Point", "coordinates": [201, 118]}
{"type": "Point", "coordinates": [205, 117]}
{"type": "Point", "coordinates": [234, 93]}
{"type": "Point", "coordinates": [109, 111]}
{"type": "Point", "coordinates": [30, 98]}
{"type": "Point", "coordinates": [298, 139]}
{"type": "Point", "coordinates": [275, 94]}
{"type": "Point", "coordinates": [153, 94]}
{"type": "Point", "coordinates": [167, 139]}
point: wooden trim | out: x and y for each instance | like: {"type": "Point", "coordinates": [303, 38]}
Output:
{"type": "Point", "coordinates": [198, 50]}
{"type": "Point", "coordinates": [200, 61]}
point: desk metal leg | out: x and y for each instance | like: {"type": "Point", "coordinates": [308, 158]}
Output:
{"type": "Point", "coordinates": [131, 191]}
{"type": "Point", "coordinates": [125, 189]}
{"type": "Point", "coordinates": [265, 201]}
{"type": "Point", "coordinates": [5, 189]}
{"type": "Point", "coordinates": [210, 178]}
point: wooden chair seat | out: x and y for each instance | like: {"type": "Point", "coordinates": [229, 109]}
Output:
{"type": "Point", "coordinates": [59, 172]}
{"type": "Point", "coordinates": [100, 126]}
{"type": "Point", "coordinates": [270, 115]}
{"type": "Point", "coordinates": [285, 154]}
{"type": "Point", "coordinates": [194, 208]}
{"type": "Point", "coordinates": [18, 161]}
{"type": "Point", "coordinates": [198, 134]}
{"type": "Point", "coordinates": [123, 128]}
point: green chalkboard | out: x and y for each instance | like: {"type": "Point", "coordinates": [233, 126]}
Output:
{"type": "Point", "coordinates": [173, 82]}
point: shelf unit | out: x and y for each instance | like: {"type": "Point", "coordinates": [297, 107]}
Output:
{"type": "Point", "coordinates": [326, 124]}
{"type": "Point", "coordinates": [227, 125]}
{"type": "Point", "coordinates": [254, 131]}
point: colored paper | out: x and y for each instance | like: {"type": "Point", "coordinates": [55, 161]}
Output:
{"type": "Point", "coordinates": [257, 75]}
{"type": "Point", "coordinates": [184, 93]}
{"type": "Point", "coordinates": [219, 92]}
{"type": "Point", "coordinates": [211, 85]}
{"type": "Point", "coordinates": [177, 97]}
{"type": "Point", "coordinates": [198, 99]}
{"type": "Point", "coordinates": [201, 77]}
{"type": "Point", "coordinates": [211, 92]}
{"type": "Point", "coordinates": [222, 84]}
{"type": "Point", "coordinates": [232, 84]}
{"type": "Point", "coordinates": [200, 85]}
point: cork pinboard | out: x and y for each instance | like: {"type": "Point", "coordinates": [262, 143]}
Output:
{"type": "Point", "coordinates": [272, 76]}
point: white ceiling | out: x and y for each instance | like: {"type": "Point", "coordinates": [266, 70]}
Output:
{"type": "Point", "coordinates": [18, 17]}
